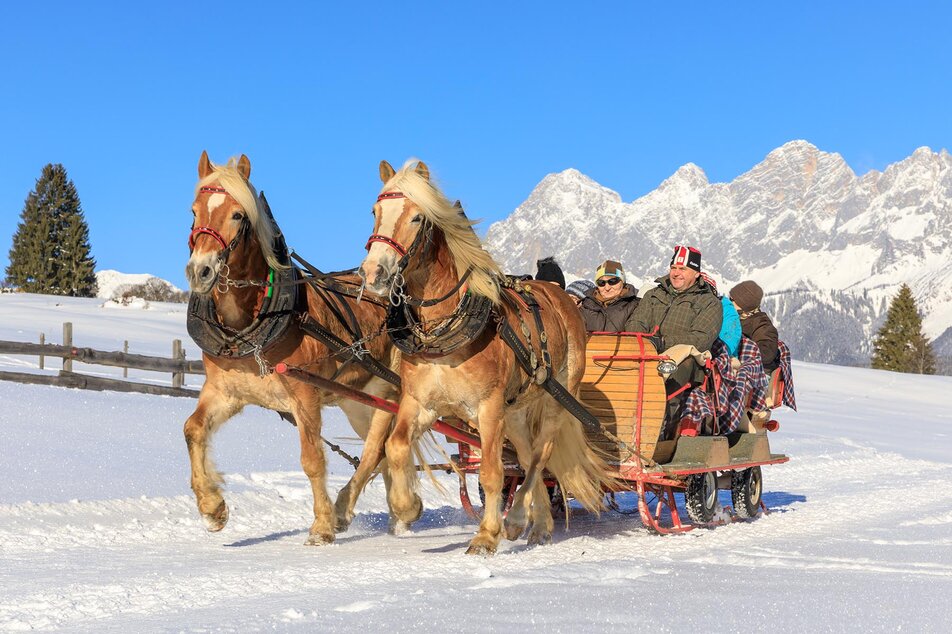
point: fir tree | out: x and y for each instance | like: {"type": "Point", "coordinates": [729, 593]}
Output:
{"type": "Point", "coordinates": [900, 345]}
{"type": "Point", "coordinates": [51, 252]}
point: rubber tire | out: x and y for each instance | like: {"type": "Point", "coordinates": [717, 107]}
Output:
{"type": "Point", "coordinates": [700, 497]}
{"type": "Point", "coordinates": [747, 486]}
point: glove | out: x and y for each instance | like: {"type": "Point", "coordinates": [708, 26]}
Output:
{"type": "Point", "coordinates": [683, 351]}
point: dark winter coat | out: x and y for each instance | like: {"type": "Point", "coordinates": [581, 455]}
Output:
{"type": "Point", "coordinates": [690, 317]}
{"type": "Point", "coordinates": [757, 325]}
{"type": "Point", "coordinates": [611, 317]}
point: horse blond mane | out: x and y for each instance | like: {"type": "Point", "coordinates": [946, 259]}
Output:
{"type": "Point", "coordinates": [244, 192]}
{"type": "Point", "coordinates": [464, 245]}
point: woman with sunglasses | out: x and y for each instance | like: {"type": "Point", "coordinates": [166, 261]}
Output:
{"type": "Point", "coordinates": [608, 306]}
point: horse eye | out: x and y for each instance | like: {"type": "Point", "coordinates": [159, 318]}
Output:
{"type": "Point", "coordinates": [237, 216]}
{"type": "Point", "coordinates": [417, 218]}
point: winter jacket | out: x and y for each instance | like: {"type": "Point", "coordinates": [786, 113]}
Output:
{"type": "Point", "coordinates": [730, 327]}
{"type": "Point", "coordinates": [692, 317]}
{"type": "Point", "coordinates": [610, 317]}
{"type": "Point", "coordinates": [757, 325]}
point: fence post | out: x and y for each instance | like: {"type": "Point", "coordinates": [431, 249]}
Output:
{"type": "Point", "coordinates": [177, 354]}
{"type": "Point", "coordinates": [125, 350]}
{"type": "Point", "coordinates": [42, 343]}
{"type": "Point", "coordinates": [68, 342]}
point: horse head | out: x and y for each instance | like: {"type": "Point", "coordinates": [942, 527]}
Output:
{"type": "Point", "coordinates": [421, 237]}
{"type": "Point", "coordinates": [398, 226]}
{"type": "Point", "coordinates": [228, 227]}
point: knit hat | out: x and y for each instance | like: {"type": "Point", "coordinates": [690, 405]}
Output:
{"type": "Point", "coordinates": [747, 295]}
{"type": "Point", "coordinates": [686, 256]}
{"type": "Point", "coordinates": [548, 270]}
{"type": "Point", "coordinates": [580, 288]}
{"type": "Point", "coordinates": [610, 267]}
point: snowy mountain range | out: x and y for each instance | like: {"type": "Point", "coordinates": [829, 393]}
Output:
{"type": "Point", "coordinates": [829, 248]}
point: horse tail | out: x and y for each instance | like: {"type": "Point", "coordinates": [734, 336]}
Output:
{"type": "Point", "coordinates": [582, 473]}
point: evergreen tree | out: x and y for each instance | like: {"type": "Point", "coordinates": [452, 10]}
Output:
{"type": "Point", "coordinates": [900, 345]}
{"type": "Point", "coordinates": [51, 252]}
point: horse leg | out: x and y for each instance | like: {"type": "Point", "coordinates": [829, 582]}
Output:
{"type": "Point", "coordinates": [517, 432]}
{"type": "Point", "coordinates": [405, 504]}
{"type": "Point", "coordinates": [212, 411]}
{"type": "Point", "coordinates": [373, 426]}
{"type": "Point", "coordinates": [545, 425]}
{"type": "Point", "coordinates": [490, 421]}
{"type": "Point", "coordinates": [307, 413]}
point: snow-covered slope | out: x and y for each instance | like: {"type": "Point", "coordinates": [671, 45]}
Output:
{"type": "Point", "coordinates": [99, 532]}
{"type": "Point", "coordinates": [829, 248]}
{"type": "Point", "coordinates": [113, 284]}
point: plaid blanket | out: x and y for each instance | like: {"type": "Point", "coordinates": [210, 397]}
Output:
{"type": "Point", "coordinates": [786, 374]}
{"type": "Point", "coordinates": [733, 393]}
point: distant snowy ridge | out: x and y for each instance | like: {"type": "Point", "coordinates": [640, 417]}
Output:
{"type": "Point", "coordinates": [114, 285]}
{"type": "Point", "coordinates": [829, 248]}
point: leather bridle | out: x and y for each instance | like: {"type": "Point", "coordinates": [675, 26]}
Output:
{"type": "Point", "coordinates": [226, 247]}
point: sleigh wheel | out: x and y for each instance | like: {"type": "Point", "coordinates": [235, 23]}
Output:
{"type": "Point", "coordinates": [746, 490]}
{"type": "Point", "coordinates": [701, 497]}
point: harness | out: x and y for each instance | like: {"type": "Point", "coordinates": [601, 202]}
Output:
{"type": "Point", "coordinates": [406, 330]}
{"type": "Point", "coordinates": [282, 304]}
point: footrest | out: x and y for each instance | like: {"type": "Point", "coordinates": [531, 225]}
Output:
{"type": "Point", "coordinates": [699, 451]}
{"type": "Point", "coordinates": [746, 448]}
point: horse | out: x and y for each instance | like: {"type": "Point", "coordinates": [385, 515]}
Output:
{"type": "Point", "coordinates": [249, 310]}
{"type": "Point", "coordinates": [424, 246]}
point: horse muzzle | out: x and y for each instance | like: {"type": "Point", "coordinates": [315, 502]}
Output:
{"type": "Point", "coordinates": [202, 273]}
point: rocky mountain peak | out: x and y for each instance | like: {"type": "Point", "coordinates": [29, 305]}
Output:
{"type": "Point", "coordinates": [830, 249]}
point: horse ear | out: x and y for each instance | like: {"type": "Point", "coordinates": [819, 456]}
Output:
{"type": "Point", "coordinates": [423, 170]}
{"type": "Point", "coordinates": [244, 167]}
{"type": "Point", "coordinates": [386, 171]}
{"type": "Point", "coordinates": [204, 165]}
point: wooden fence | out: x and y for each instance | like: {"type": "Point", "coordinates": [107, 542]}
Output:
{"type": "Point", "coordinates": [176, 365]}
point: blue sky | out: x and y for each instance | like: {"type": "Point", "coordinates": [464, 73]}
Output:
{"type": "Point", "coordinates": [492, 96]}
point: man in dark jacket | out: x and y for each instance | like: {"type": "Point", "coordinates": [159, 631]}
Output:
{"type": "Point", "coordinates": [754, 323]}
{"type": "Point", "coordinates": [607, 307]}
{"type": "Point", "coordinates": [683, 311]}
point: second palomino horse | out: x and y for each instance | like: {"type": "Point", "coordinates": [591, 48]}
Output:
{"type": "Point", "coordinates": [448, 307]}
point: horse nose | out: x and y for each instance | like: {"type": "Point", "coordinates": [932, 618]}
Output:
{"type": "Point", "coordinates": [199, 273]}
{"type": "Point", "coordinates": [371, 280]}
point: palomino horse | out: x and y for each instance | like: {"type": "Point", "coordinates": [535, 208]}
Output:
{"type": "Point", "coordinates": [424, 246]}
{"type": "Point", "coordinates": [235, 262]}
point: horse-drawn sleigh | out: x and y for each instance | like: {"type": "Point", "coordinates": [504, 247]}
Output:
{"type": "Point", "coordinates": [501, 366]}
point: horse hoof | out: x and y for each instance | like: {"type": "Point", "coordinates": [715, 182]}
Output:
{"type": "Point", "coordinates": [342, 524]}
{"type": "Point", "coordinates": [514, 530]}
{"type": "Point", "coordinates": [399, 527]}
{"type": "Point", "coordinates": [318, 539]}
{"type": "Point", "coordinates": [480, 549]}
{"type": "Point", "coordinates": [539, 538]}
{"type": "Point", "coordinates": [216, 521]}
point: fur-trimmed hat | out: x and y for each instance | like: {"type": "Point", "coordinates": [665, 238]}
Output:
{"type": "Point", "coordinates": [747, 295]}
{"type": "Point", "coordinates": [610, 267]}
{"type": "Point", "coordinates": [686, 256]}
{"type": "Point", "coordinates": [548, 270]}
{"type": "Point", "coordinates": [580, 288]}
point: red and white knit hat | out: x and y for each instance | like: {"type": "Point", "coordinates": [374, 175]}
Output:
{"type": "Point", "coordinates": [686, 256]}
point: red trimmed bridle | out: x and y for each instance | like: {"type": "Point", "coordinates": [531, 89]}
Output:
{"type": "Point", "coordinates": [387, 240]}
{"type": "Point", "coordinates": [197, 232]}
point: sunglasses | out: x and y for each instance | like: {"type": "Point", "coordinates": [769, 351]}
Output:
{"type": "Point", "coordinates": [610, 281]}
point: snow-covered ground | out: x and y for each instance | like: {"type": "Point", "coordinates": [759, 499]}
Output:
{"type": "Point", "coordinates": [99, 532]}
